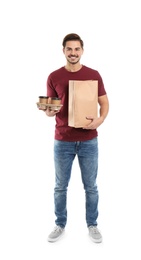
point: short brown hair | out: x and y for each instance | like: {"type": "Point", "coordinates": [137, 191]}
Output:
{"type": "Point", "coordinates": [72, 37]}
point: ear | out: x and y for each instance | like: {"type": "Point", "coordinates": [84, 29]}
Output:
{"type": "Point", "coordinates": [63, 50]}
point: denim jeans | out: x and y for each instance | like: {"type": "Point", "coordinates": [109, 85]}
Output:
{"type": "Point", "coordinates": [64, 154]}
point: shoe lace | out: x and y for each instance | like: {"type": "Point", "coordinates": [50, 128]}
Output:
{"type": "Point", "coordinates": [94, 229]}
{"type": "Point", "coordinates": [57, 229]}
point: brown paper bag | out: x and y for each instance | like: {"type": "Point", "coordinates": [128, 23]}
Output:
{"type": "Point", "coordinates": [83, 102]}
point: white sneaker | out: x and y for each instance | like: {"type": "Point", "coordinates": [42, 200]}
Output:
{"type": "Point", "coordinates": [56, 234]}
{"type": "Point", "coordinates": [95, 234]}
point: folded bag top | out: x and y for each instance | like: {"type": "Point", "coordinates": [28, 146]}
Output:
{"type": "Point", "coordinates": [83, 102]}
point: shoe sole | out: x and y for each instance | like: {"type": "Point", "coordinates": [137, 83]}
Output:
{"type": "Point", "coordinates": [96, 240]}
{"type": "Point", "coordinates": [55, 239]}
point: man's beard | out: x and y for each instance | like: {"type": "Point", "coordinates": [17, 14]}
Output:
{"type": "Point", "coordinates": [73, 62]}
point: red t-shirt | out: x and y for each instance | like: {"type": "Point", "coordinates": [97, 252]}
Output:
{"type": "Point", "coordinates": [57, 86]}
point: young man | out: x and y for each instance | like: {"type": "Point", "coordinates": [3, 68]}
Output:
{"type": "Point", "coordinates": [70, 141]}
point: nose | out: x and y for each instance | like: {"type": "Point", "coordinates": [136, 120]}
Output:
{"type": "Point", "coordinates": [73, 52]}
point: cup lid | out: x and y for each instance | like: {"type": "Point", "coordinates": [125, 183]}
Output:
{"type": "Point", "coordinates": [43, 97]}
{"type": "Point", "coordinates": [55, 98]}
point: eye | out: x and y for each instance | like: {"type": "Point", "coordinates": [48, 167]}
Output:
{"type": "Point", "coordinates": [78, 49]}
{"type": "Point", "coordinates": [68, 49]}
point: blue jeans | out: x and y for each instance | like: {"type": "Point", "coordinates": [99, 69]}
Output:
{"type": "Point", "coordinates": [64, 154]}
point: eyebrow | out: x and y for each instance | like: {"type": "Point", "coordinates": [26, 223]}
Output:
{"type": "Point", "coordinates": [69, 48]}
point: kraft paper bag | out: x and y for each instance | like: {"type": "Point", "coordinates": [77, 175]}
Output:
{"type": "Point", "coordinates": [83, 102]}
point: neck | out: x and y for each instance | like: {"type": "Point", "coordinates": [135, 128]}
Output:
{"type": "Point", "coordinates": [73, 67]}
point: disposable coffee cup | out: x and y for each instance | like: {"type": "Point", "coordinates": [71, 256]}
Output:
{"type": "Point", "coordinates": [43, 99]}
{"type": "Point", "coordinates": [55, 101]}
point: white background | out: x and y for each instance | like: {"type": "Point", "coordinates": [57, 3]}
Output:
{"type": "Point", "coordinates": [30, 48]}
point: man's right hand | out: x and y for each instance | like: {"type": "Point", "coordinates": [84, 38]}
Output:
{"type": "Point", "coordinates": [50, 112]}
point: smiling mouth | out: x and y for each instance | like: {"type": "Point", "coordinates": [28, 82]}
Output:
{"type": "Point", "coordinates": [73, 57]}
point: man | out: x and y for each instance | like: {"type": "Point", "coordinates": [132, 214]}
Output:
{"type": "Point", "coordinates": [71, 141]}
